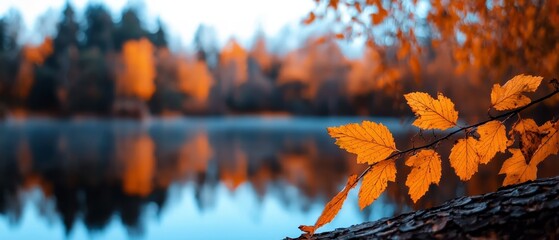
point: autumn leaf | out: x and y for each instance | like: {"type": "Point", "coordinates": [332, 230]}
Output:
{"type": "Point", "coordinates": [464, 158]}
{"type": "Point", "coordinates": [332, 208]}
{"type": "Point", "coordinates": [516, 169]}
{"type": "Point", "coordinates": [372, 142]}
{"type": "Point", "coordinates": [376, 181]}
{"type": "Point", "coordinates": [492, 139]}
{"type": "Point", "coordinates": [530, 137]}
{"type": "Point", "coordinates": [378, 17]}
{"type": "Point", "coordinates": [426, 169]}
{"type": "Point", "coordinates": [509, 96]}
{"type": "Point", "coordinates": [549, 144]}
{"type": "Point", "coordinates": [431, 113]}
{"type": "Point", "coordinates": [309, 19]}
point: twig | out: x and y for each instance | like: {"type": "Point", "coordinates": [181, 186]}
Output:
{"type": "Point", "coordinates": [466, 128]}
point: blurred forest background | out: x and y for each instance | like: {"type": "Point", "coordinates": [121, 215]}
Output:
{"type": "Point", "coordinates": [98, 66]}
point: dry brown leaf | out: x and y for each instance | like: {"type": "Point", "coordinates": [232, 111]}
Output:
{"type": "Point", "coordinates": [376, 181]}
{"type": "Point", "coordinates": [492, 139]}
{"type": "Point", "coordinates": [332, 208]}
{"type": "Point", "coordinates": [372, 142]}
{"type": "Point", "coordinates": [426, 169]}
{"type": "Point", "coordinates": [509, 96]}
{"type": "Point", "coordinates": [431, 113]}
{"type": "Point", "coordinates": [464, 158]}
{"type": "Point", "coordinates": [516, 169]}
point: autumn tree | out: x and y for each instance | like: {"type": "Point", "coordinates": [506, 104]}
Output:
{"type": "Point", "coordinates": [501, 37]}
{"type": "Point", "coordinates": [136, 78]}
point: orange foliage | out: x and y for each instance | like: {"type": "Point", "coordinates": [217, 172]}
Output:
{"type": "Point", "coordinates": [431, 113]}
{"type": "Point", "coordinates": [233, 61]}
{"type": "Point", "coordinates": [37, 54]}
{"type": "Point", "coordinates": [194, 79]}
{"type": "Point", "coordinates": [332, 208]}
{"type": "Point", "coordinates": [137, 156]}
{"type": "Point", "coordinates": [32, 55]}
{"type": "Point", "coordinates": [374, 145]}
{"type": "Point", "coordinates": [371, 142]}
{"type": "Point", "coordinates": [235, 174]}
{"type": "Point", "coordinates": [426, 169]}
{"type": "Point", "coordinates": [136, 78]}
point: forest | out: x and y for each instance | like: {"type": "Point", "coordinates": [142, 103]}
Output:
{"type": "Point", "coordinates": [98, 66]}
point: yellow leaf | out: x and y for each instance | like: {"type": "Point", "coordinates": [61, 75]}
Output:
{"type": "Point", "coordinates": [492, 139]}
{"type": "Point", "coordinates": [426, 169]}
{"type": "Point", "coordinates": [372, 142]}
{"type": "Point", "coordinates": [549, 144]}
{"type": "Point", "coordinates": [332, 208]}
{"type": "Point", "coordinates": [509, 96]}
{"type": "Point", "coordinates": [464, 158]}
{"type": "Point", "coordinates": [431, 113]}
{"type": "Point", "coordinates": [516, 169]}
{"type": "Point", "coordinates": [375, 182]}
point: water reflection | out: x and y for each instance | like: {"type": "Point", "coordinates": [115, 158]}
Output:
{"type": "Point", "coordinates": [92, 172]}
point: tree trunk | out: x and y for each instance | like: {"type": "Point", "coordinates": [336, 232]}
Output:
{"type": "Point", "coordinates": [525, 211]}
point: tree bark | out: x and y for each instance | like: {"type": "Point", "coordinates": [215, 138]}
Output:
{"type": "Point", "coordinates": [525, 211]}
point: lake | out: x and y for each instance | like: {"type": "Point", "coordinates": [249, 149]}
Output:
{"type": "Point", "coordinates": [194, 178]}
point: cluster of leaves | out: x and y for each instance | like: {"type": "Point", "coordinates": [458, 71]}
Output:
{"type": "Point", "coordinates": [497, 35]}
{"type": "Point", "coordinates": [374, 145]}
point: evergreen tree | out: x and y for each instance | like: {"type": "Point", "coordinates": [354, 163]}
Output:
{"type": "Point", "coordinates": [99, 28]}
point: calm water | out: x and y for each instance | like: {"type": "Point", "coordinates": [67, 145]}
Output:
{"type": "Point", "coordinates": [203, 178]}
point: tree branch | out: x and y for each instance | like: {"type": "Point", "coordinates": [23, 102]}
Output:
{"type": "Point", "coordinates": [413, 149]}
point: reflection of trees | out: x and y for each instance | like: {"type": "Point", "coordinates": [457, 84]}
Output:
{"type": "Point", "coordinates": [92, 171]}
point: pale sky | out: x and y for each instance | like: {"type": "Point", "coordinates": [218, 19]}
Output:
{"type": "Point", "coordinates": [230, 18]}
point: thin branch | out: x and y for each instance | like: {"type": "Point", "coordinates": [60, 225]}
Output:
{"type": "Point", "coordinates": [466, 128]}
{"type": "Point", "coordinates": [504, 115]}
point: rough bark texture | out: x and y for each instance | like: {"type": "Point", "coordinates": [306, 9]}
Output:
{"type": "Point", "coordinates": [525, 211]}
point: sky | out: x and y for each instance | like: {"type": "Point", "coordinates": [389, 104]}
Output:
{"type": "Point", "coordinates": [230, 18]}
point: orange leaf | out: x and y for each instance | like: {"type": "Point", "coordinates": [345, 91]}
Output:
{"type": "Point", "coordinates": [509, 96]}
{"type": "Point", "coordinates": [339, 36]}
{"type": "Point", "coordinates": [549, 144]}
{"type": "Point", "coordinates": [376, 181]}
{"type": "Point", "coordinates": [431, 113]}
{"type": "Point", "coordinates": [371, 142]}
{"type": "Point", "coordinates": [492, 139]}
{"type": "Point", "coordinates": [378, 17]}
{"type": "Point", "coordinates": [530, 137]}
{"type": "Point", "coordinates": [516, 169]}
{"type": "Point", "coordinates": [426, 169]}
{"type": "Point", "coordinates": [464, 158]}
{"type": "Point", "coordinates": [309, 19]}
{"type": "Point", "coordinates": [332, 208]}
